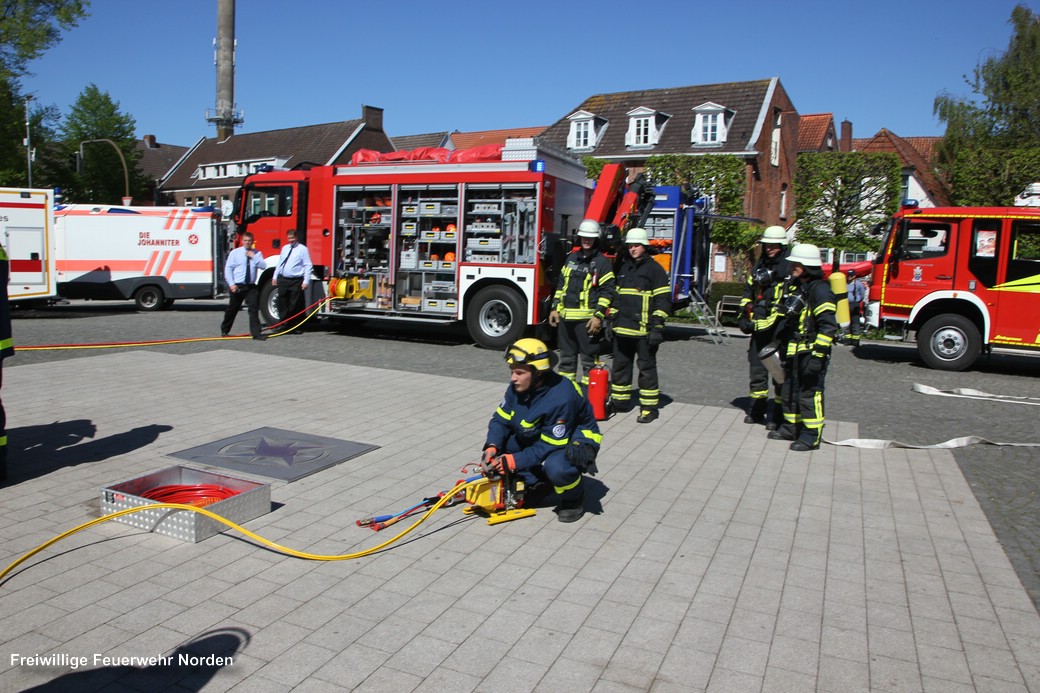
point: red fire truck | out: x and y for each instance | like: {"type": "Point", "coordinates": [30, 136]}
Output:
{"type": "Point", "coordinates": [964, 279]}
{"type": "Point", "coordinates": [473, 235]}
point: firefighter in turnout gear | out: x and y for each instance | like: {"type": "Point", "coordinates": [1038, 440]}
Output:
{"type": "Point", "coordinates": [807, 333]}
{"type": "Point", "coordinates": [758, 319]}
{"type": "Point", "coordinates": [544, 429]}
{"type": "Point", "coordinates": [584, 292]}
{"type": "Point", "coordinates": [643, 302]}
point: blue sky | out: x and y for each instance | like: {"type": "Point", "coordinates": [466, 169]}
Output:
{"type": "Point", "coordinates": [488, 64]}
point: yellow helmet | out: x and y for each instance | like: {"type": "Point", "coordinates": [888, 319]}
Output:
{"type": "Point", "coordinates": [529, 352]}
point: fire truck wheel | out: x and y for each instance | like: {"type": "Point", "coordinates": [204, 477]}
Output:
{"type": "Point", "coordinates": [949, 342]}
{"type": "Point", "coordinates": [496, 317]}
{"type": "Point", "coordinates": [149, 298]}
{"type": "Point", "coordinates": [269, 305]}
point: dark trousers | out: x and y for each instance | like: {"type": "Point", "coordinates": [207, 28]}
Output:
{"type": "Point", "coordinates": [629, 350]}
{"type": "Point", "coordinates": [573, 339]}
{"type": "Point", "coordinates": [802, 397]}
{"type": "Point", "coordinates": [556, 469]}
{"type": "Point", "coordinates": [759, 379]}
{"type": "Point", "coordinates": [290, 302]}
{"type": "Point", "coordinates": [250, 295]}
{"type": "Point", "coordinates": [854, 314]}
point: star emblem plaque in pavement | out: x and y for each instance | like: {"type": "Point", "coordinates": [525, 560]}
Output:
{"type": "Point", "coordinates": [275, 453]}
{"type": "Point", "coordinates": [266, 450]}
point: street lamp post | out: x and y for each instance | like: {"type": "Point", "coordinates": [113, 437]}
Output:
{"type": "Point", "coordinates": [28, 142]}
{"type": "Point", "coordinates": [126, 171]}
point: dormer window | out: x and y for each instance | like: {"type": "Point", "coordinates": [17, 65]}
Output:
{"type": "Point", "coordinates": [711, 124]}
{"type": "Point", "coordinates": [645, 126]}
{"type": "Point", "coordinates": [586, 131]}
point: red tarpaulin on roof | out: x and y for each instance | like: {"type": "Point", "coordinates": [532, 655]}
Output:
{"type": "Point", "coordinates": [429, 154]}
{"type": "Point", "coordinates": [485, 152]}
{"type": "Point", "coordinates": [364, 156]}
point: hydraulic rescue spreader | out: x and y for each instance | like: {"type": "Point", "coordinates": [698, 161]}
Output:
{"type": "Point", "coordinates": [498, 497]}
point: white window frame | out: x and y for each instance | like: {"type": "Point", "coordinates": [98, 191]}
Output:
{"type": "Point", "coordinates": [645, 126]}
{"type": "Point", "coordinates": [584, 134]}
{"type": "Point", "coordinates": [710, 125]}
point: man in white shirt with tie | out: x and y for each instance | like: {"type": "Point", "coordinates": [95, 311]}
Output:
{"type": "Point", "coordinates": [292, 276]}
{"type": "Point", "coordinates": [241, 272]}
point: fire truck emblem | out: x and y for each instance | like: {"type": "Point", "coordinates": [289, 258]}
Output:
{"type": "Point", "coordinates": [193, 239]}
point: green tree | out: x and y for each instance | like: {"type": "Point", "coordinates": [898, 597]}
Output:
{"type": "Point", "coordinates": [27, 29]}
{"type": "Point", "coordinates": [992, 142]}
{"type": "Point", "coordinates": [843, 195]}
{"type": "Point", "coordinates": [102, 177]}
{"type": "Point", "coordinates": [30, 27]}
{"type": "Point", "coordinates": [722, 179]}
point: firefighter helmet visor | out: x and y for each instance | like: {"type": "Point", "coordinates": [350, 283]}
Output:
{"type": "Point", "coordinates": [529, 352]}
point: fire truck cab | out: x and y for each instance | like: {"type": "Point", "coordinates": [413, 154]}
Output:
{"type": "Point", "coordinates": [964, 279]}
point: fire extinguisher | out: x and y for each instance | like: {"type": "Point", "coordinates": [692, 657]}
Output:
{"type": "Point", "coordinates": [599, 389]}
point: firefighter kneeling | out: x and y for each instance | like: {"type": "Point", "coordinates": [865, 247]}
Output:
{"type": "Point", "coordinates": [805, 338]}
{"type": "Point", "coordinates": [543, 430]}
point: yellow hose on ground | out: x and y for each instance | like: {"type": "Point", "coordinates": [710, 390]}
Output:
{"type": "Point", "coordinates": [461, 486]}
{"type": "Point", "coordinates": [163, 342]}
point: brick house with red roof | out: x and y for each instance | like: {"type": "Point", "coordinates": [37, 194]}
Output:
{"type": "Point", "coordinates": [920, 181]}
{"type": "Point", "coordinates": [754, 121]}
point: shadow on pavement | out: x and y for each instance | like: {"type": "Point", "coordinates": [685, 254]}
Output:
{"type": "Point", "coordinates": [37, 450]}
{"type": "Point", "coordinates": [191, 667]}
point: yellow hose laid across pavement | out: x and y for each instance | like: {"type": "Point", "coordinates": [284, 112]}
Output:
{"type": "Point", "coordinates": [460, 487]}
{"type": "Point", "coordinates": [167, 342]}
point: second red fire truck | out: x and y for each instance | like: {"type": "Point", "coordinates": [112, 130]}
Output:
{"type": "Point", "coordinates": [964, 279]}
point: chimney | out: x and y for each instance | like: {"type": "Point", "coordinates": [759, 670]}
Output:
{"type": "Point", "coordinates": [373, 117]}
{"type": "Point", "coordinates": [224, 115]}
{"type": "Point", "coordinates": [845, 145]}
{"type": "Point", "coordinates": [149, 142]}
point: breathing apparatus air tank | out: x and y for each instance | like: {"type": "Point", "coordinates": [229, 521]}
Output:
{"type": "Point", "coordinates": [599, 389]}
{"type": "Point", "coordinates": [841, 299]}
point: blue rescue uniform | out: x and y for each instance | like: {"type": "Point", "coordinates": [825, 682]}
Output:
{"type": "Point", "coordinates": [536, 428]}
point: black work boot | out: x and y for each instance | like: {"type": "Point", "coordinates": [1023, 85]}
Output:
{"type": "Point", "coordinates": [571, 510]}
{"type": "Point", "coordinates": [784, 432]}
{"type": "Point", "coordinates": [646, 415]}
{"type": "Point", "coordinates": [757, 413]}
{"type": "Point", "coordinates": [776, 418]}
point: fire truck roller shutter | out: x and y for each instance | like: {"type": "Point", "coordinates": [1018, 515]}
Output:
{"type": "Point", "coordinates": [496, 316]}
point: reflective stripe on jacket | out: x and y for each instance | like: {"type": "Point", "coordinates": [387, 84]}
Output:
{"type": "Point", "coordinates": [758, 300]}
{"type": "Point", "coordinates": [813, 329]}
{"type": "Point", "coordinates": [585, 287]}
{"type": "Point", "coordinates": [543, 420]}
{"type": "Point", "coordinates": [644, 297]}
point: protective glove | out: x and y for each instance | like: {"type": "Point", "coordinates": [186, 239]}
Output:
{"type": "Point", "coordinates": [744, 323]}
{"type": "Point", "coordinates": [554, 319]}
{"type": "Point", "coordinates": [583, 457]}
{"type": "Point", "coordinates": [814, 367]}
{"type": "Point", "coordinates": [504, 463]}
{"type": "Point", "coordinates": [594, 325]}
{"type": "Point", "coordinates": [487, 457]}
{"type": "Point", "coordinates": [656, 336]}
